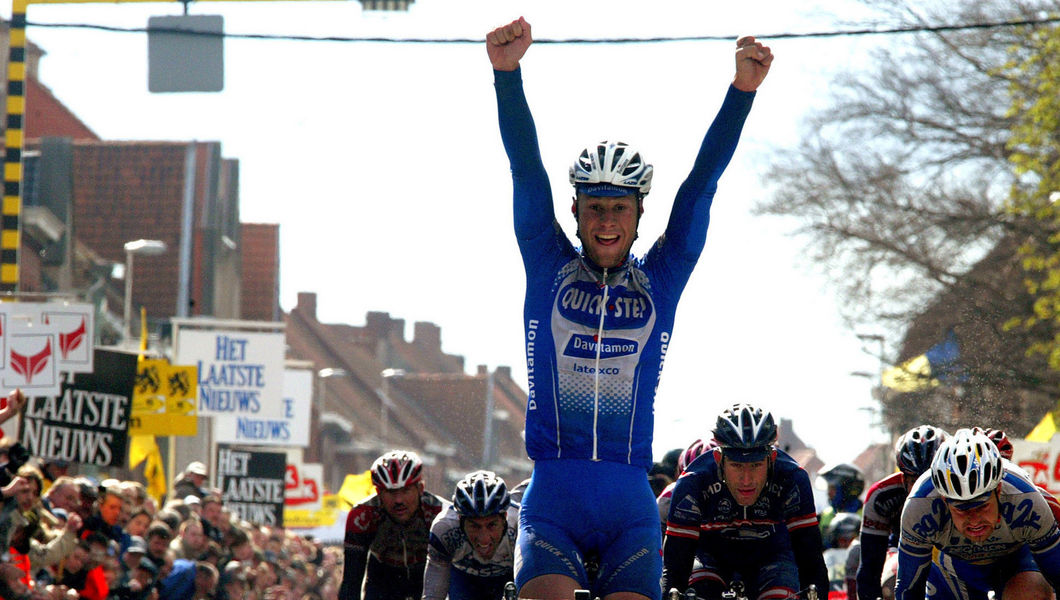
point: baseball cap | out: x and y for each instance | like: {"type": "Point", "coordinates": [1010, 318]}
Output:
{"type": "Point", "coordinates": [137, 544]}
{"type": "Point", "coordinates": [196, 468]}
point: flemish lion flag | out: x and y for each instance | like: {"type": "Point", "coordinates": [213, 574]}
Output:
{"type": "Point", "coordinates": [145, 447]}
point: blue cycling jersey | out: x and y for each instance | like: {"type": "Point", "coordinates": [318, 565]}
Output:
{"type": "Point", "coordinates": [596, 338]}
{"type": "Point", "coordinates": [1025, 521]}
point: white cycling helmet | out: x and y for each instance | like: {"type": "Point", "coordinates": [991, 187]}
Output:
{"type": "Point", "coordinates": [611, 169]}
{"type": "Point", "coordinates": [966, 466]}
{"type": "Point", "coordinates": [396, 469]}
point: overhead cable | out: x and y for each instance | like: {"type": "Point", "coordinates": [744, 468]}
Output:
{"type": "Point", "coordinates": [623, 40]}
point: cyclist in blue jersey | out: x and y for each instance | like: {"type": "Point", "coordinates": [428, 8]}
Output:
{"type": "Point", "coordinates": [991, 526]}
{"type": "Point", "coordinates": [597, 324]}
{"type": "Point", "coordinates": [472, 547]}
{"type": "Point", "coordinates": [744, 512]}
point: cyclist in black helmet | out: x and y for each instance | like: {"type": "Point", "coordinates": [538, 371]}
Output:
{"type": "Point", "coordinates": [744, 511]}
{"type": "Point", "coordinates": [472, 548]}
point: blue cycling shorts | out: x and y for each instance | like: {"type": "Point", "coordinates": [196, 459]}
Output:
{"type": "Point", "coordinates": [960, 580]}
{"type": "Point", "coordinates": [575, 506]}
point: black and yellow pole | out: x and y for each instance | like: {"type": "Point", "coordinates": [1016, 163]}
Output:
{"type": "Point", "coordinates": [10, 234]}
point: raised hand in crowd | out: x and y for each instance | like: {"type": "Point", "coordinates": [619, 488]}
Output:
{"type": "Point", "coordinates": [12, 405]}
{"type": "Point", "coordinates": [18, 484]}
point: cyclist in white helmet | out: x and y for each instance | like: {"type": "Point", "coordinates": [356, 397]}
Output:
{"type": "Point", "coordinates": [385, 549]}
{"type": "Point", "coordinates": [472, 549]}
{"type": "Point", "coordinates": [598, 323]}
{"type": "Point", "coordinates": [993, 529]}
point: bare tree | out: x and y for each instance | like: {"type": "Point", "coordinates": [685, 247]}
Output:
{"type": "Point", "coordinates": [902, 186]}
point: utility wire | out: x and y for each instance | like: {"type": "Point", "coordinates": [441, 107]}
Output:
{"type": "Point", "coordinates": [698, 38]}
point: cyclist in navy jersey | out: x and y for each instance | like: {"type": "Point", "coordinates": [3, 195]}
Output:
{"type": "Point", "coordinates": [882, 519]}
{"type": "Point", "coordinates": [744, 512]}
{"type": "Point", "coordinates": [597, 324]}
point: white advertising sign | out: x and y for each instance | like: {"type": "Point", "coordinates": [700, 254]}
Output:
{"type": "Point", "coordinates": [291, 428]}
{"type": "Point", "coordinates": [1041, 460]}
{"type": "Point", "coordinates": [30, 361]}
{"type": "Point", "coordinates": [75, 322]}
{"type": "Point", "coordinates": [240, 372]}
{"type": "Point", "coordinates": [303, 485]}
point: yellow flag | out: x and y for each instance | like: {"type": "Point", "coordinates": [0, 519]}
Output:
{"type": "Point", "coordinates": [155, 474]}
{"type": "Point", "coordinates": [356, 488]}
{"type": "Point", "coordinates": [1044, 430]}
{"type": "Point", "coordinates": [144, 447]}
{"type": "Point", "coordinates": [911, 376]}
{"type": "Point", "coordinates": [139, 447]}
{"type": "Point", "coordinates": [143, 331]}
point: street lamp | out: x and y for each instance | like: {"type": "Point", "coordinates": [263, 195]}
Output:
{"type": "Point", "coordinates": [325, 374]}
{"type": "Point", "coordinates": [143, 248]}
{"type": "Point", "coordinates": [384, 417]}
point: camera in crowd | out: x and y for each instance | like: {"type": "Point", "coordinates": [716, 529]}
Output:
{"type": "Point", "coordinates": [17, 455]}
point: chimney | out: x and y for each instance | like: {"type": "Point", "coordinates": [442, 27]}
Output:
{"type": "Point", "coordinates": [307, 304]}
{"type": "Point", "coordinates": [376, 324]}
{"type": "Point", "coordinates": [427, 336]}
{"type": "Point", "coordinates": [482, 370]}
{"type": "Point", "coordinates": [503, 371]}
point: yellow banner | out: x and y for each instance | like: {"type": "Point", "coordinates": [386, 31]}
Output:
{"type": "Point", "coordinates": [298, 517]}
{"type": "Point", "coordinates": [164, 399]}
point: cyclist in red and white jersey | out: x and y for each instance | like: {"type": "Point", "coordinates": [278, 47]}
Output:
{"type": "Point", "coordinates": [683, 460]}
{"type": "Point", "coordinates": [386, 534]}
{"type": "Point", "coordinates": [882, 517]}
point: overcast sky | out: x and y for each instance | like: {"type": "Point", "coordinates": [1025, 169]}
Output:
{"type": "Point", "coordinates": [384, 168]}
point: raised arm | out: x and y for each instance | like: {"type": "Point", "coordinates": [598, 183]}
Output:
{"type": "Point", "coordinates": [507, 44]}
{"type": "Point", "coordinates": [533, 208]}
{"type": "Point", "coordinates": [687, 227]}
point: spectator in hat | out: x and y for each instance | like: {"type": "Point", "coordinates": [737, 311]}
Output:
{"type": "Point", "coordinates": [193, 503]}
{"type": "Point", "coordinates": [191, 481]}
{"type": "Point", "coordinates": [130, 559]}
